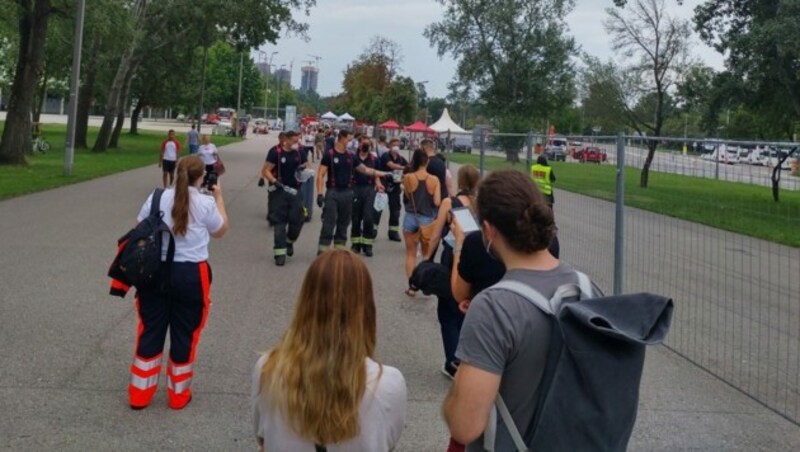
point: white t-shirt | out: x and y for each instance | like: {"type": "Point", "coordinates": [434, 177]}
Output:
{"type": "Point", "coordinates": [170, 151]}
{"type": "Point", "coordinates": [207, 153]}
{"type": "Point", "coordinates": [308, 140]}
{"type": "Point", "coordinates": [204, 218]}
{"type": "Point", "coordinates": [382, 415]}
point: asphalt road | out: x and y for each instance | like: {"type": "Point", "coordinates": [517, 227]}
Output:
{"type": "Point", "coordinates": [67, 345]}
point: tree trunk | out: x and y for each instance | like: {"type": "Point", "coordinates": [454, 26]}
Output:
{"type": "Point", "coordinates": [16, 138]}
{"type": "Point", "coordinates": [126, 67]}
{"type": "Point", "coordinates": [644, 178]}
{"type": "Point", "coordinates": [137, 111]}
{"type": "Point", "coordinates": [123, 105]}
{"type": "Point", "coordinates": [85, 96]}
{"type": "Point", "coordinates": [776, 175]}
{"type": "Point", "coordinates": [39, 99]}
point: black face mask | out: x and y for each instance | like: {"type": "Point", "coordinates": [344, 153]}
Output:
{"type": "Point", "coordinates": [365, 148]}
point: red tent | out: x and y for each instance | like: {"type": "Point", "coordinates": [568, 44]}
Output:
{"type": "Point", "coordinates": [419, 127]}
{"type": "Point", "coordinates": [390, 125]}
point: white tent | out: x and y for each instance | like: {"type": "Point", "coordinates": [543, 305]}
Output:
{"type": "Point", "coordinates": [346, 117]}
{"type": "Point", "coordinates": [446, 124]}
{"type": "Point", "coordinates": [330, 115]}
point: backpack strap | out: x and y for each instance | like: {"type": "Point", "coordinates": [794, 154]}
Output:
{"type": "Point", "coordinates": [155, 211]}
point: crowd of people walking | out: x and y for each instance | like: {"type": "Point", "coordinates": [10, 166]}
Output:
{"type": "Point", "coordinates": [321, 387]}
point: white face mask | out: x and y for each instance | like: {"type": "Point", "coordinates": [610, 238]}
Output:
{"type": "Point", "coordinates": [396, 148]}
{"type": "Point", "coordinates": [295, 147]}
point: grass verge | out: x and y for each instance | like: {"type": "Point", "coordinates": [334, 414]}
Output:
{"type": "Point", "coordinates": [742, 208]}
{"type": "Point", "coordinates": [45, 171]}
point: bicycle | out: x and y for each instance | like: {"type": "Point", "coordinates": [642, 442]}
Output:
{"type": "Point", "coordinates": [40, 145]}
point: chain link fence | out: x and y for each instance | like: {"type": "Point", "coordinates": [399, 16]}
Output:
{"type": "Point", "coordinates": [706, 232]}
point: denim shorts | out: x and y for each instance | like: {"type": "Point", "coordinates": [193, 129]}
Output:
{"type": "Point", "coordinates": [412, 222]}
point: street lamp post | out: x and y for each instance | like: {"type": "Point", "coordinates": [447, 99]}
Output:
{"type": "Point", "coordinates": [239, 98]}
{"type": "Point", "coordinates": [278, 95]}
{"type": "Point", "coordinates": [69, 151]}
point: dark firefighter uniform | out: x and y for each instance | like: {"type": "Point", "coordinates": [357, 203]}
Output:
{"type": "Point", "coordinates": [394, 191]}
{"type": "Point", "coordinates": [337, 209]}
{"type": "Point", "coordinates": [285, 206]}
{"type": "Point", "coordinates": [362, 234]}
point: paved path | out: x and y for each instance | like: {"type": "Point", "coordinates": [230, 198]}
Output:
{"type": "Point", "coordinates": [67, 345]}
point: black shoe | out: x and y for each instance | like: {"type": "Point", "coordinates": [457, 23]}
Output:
{"type": "Point", "coordinates": [356, 248]}
{"type": "Point", "coordinates": [280, 261]}
{"type": "Point", "coordinates": [394, 237]}
{"type": "Point", "coordinates": [367, 250]}
{"type": "Point", "coordinates": [290, 249]}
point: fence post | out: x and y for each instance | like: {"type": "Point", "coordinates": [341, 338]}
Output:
{"type": "Point", "coordinates": [483, 150]}
{"type": "Point", "coordinates": [619, 218]}
{"type": "Point", "coordinates": [529, 155]}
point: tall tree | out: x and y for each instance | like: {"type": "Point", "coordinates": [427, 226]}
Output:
{"type": "Point", "coordinates": [656, 47]}
{"type": "Point", "coordinates": [32, 19]}
{"type": "Point", "coordinates": [400, 100]}
{"type": "Point", "coordinates": [513, 54]}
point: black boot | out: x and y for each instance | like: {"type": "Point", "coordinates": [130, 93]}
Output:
{"type": "Point", "coordinates": [394, 236]}
{"type": "Point", "coordinates": [356, 248]}
{"type": "Point", "coordinates": [280, 261]}
{"type": "Point", "coordinates": [367, 250]}
{"type": "Point", "coordinates": [290, 249]}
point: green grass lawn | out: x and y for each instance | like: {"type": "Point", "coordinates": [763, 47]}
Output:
{"type": "Point", "coordinates": [45, 171]}
{"type": "Point", "coordinates": [737, 207]}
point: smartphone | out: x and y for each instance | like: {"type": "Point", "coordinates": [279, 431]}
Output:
{"type": "Point", "coordinates": [465, 219]}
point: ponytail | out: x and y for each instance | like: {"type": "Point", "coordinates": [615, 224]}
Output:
{"type": "Point", "coordinates": [189, 170]}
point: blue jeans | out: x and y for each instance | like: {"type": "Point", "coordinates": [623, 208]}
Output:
{"type": "Point", "coordinates": [412, 222]}
{"type": "Point", "coordinates": [193, 148]}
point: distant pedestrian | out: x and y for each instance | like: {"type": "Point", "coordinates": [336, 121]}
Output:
{"type": "Point", "coordinates": [208, 153]}
{"type": "Point", "coordinates": [180, 305]}
{"type": "Point", "coordinates": [320, 388]}
{"type": "Point", "coordinates": [193, 138]}
{"type": "Point", "coordinates": [422, 198]}
{"type": "Point", "coordinates": [382, 147]}
{"type": "Point", "coordinates": [392, 162]}
{"type": "Point", "coordinates": [170, 149]}
{"type": "Point", "coordinates": [542, 174]}
{"type": "Point", "coordinates": [436, 166]}
{"type": "Point", "coordinates": [319, 144]}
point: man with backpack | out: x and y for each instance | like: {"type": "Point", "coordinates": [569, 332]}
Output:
{"type": "Point", "coordinates": [511, 342]}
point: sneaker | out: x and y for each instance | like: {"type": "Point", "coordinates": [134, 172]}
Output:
{"type": "Point", "coordinates": [290, 249]}
{"type": "Point", "coordinates": [449, 370]}
{"type": "Point", "coordinates": [280, 261]}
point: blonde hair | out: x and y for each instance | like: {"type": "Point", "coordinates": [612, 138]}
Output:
{"type": "Point", "coordinates": [317, 375]}
{"type": "Point", "coordinates": [190, 169]}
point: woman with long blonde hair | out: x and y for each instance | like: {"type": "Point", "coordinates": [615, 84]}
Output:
{"type": "Point", "coordinates": [320, 388]}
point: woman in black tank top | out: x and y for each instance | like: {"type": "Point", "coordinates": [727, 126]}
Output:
{"type": "Point", "coordinates": [422, 198]}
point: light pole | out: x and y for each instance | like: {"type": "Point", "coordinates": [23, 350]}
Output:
{"type": "Point", "coordinates": [266, 77]}
{"type": "Point", "coordinates": [239, 98]}
{"type": "Point", "coordinates": [278, 95]}
{"type": "Point", "coordinates": [69, 151]}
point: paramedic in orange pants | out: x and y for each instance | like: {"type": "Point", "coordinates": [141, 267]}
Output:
{"type": "Point", "coordinates": [180, 304]}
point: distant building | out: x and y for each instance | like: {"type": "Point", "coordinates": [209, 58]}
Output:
{"type": "Point", "coordinates": [284, 75]}
{"type": "Point", "coordinates": [309, 80]}
{"type": "Point", "coordinates": [263, 68]}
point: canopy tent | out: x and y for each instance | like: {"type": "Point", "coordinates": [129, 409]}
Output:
{"type": "Point", "coordinates": [330, 115]}
{"type": "Point", "coordinates": [446, 124]}
{"type": "Point", "coordinates": [419, 127]}
{"type": "Point", "coordinates": [390, 125]}
{"type": "Point", "coordinates": [346, 117]}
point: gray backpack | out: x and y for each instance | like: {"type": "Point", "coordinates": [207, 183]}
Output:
{"type": "Point", "coordinates": [589, 392]}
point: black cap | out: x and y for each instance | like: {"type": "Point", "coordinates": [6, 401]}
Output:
{"type": "Point", "coordinates": [291, 134]}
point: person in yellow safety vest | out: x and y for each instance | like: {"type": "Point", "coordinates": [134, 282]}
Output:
{"type": "Point", "coordinates": [542, 174]}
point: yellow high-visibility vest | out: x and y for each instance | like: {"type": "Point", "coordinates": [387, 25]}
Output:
{"type": "Point", "coordinates": [541, 175]}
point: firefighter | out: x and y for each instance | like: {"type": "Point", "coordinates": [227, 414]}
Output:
{"type": "Point", "coordinates": [362, 235]}
{"type": "Point", "coordinates": [285, 206]}
{"type": "Point", "coordinates": [390, 162]}
{"type": "Point", "coordinates": [542, 174]}
{"type": "Point", "coordinates": [335, 180]}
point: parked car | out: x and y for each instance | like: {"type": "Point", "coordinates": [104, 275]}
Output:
{"type": "Point", "coordinates": [462, 144]}
{"type": "Point", "coordinates": [223, 127]}
{"type": "Point", "coordinates": [555, 153]}
{"type": "Point", "coordinates": [260, 126]}
{"type": "Point", "coordinates": [590, 154]}
{"type": "Point", "coordinates": [211, 118]}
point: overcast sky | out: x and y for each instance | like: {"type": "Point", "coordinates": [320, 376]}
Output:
{"type": "Point", "coordinates": [340, 29]}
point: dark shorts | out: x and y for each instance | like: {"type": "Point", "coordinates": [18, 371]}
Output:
{"type": "Point", "coordinates": [168, 166]}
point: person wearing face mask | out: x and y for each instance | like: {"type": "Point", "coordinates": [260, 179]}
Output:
{"type": "Point", "coordinates": [285, 206]}
{"type": "Point", "coordinates": [390, 162]}
{"type": "Point", "coordinates": [362, 234]}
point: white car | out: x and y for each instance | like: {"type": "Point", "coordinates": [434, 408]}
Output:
{"type": "Point", "coordinates": [223, 127]}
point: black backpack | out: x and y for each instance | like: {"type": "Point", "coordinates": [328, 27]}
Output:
{"type": "Point", "coordinates": [589, 392]}
{"type": "Point", "coordinates": [140, 258]}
